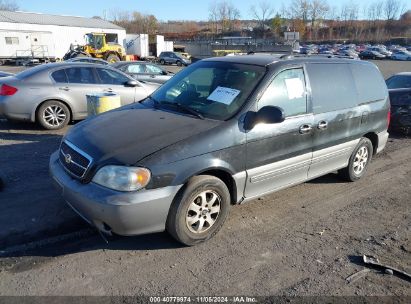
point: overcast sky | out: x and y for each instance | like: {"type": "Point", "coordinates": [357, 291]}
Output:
{"type": "Point", "coordinates": [162, 9]}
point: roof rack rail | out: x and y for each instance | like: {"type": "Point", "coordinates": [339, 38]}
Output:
{"type": "Point", "coordinates": [290, 55]}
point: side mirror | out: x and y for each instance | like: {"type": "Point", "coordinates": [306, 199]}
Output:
{"type": "Point", "coordinates": [164, 73]}
{"type": "Point", "coordinates": [266, 115]}
{"type": "Point", "coordinates": [131, 83]}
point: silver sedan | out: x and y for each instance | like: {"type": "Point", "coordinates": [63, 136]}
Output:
{"type": "Point", "coordinates": [144, 71]}
{"type": "Point", "coordinates": [55, 94]}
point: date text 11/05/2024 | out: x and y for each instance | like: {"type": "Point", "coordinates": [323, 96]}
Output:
{"type": "Point", "coordinates": [200, 299]}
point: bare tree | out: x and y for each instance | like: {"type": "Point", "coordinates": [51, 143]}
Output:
{"type": "Point", "coordinates": [223, 13]}
{"type": "Point", "coordinates": [8, 5]}
{"type": "Point", "coordinates": [213, 16]}
{"type": "Point", "coordinates": [262, 13]}
{"type": "Point", "coordinates": [300, 9]}
{"type": "Point", "coordinates": [391, 9]}
{"type": "Point", "coordinates": [135, 22]}
{"type": "Point", "coordinates": [317, 11]}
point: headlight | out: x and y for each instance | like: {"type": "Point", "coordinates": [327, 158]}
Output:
{"type": "Point", "coordinates": [122, 178]}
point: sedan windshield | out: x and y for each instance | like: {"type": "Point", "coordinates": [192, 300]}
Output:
{"type": "Point", "coordinates": [215, 90]}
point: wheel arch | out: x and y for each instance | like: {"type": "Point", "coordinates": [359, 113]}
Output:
{"type": "Point", "coordinates": [374, 140]}
{"type": "Point", "coordinates": [34, 113]}
{"type": "Point", "coordinates": [112, 53]}
{"type": "Point", "coordinates": [224, 175]}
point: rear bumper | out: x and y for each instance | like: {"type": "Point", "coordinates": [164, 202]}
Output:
{"type": "Point", "coordinates": [382, 140]}
{"type": "Point", "coordinates": [124, 213]}
{"type": "Point", "coordinates": [7, 111]}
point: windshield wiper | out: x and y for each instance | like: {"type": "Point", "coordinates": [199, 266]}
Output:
{"type": "Point", "coordinates": [189, 110]}
{"type": "Point", "coordinates": [183, 107]}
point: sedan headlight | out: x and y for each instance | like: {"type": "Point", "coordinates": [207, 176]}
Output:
{"type": "Point", "coordinates": [122, 178]}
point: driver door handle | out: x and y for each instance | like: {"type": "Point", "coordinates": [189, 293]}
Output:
{"type": "Point", "coordinates": [322, 125]}
{"type": "Point", "coordinates": [64, 89]}
{"type": "Point", "coordinates": [305, 129]}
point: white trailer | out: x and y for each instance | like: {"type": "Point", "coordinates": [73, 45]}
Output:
{"type": "Point", "coordinates": [137, 44]}
{"type": "Point", "coordinates": [158, 45]}
{"type": "Point", "coordinates": [42, 36]}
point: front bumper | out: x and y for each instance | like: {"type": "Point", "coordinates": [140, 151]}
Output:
{"type": "Point", "coordinates": [124, 213]}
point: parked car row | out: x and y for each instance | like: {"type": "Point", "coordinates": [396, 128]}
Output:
{"type": "Point", "coordinates": [394, 52]}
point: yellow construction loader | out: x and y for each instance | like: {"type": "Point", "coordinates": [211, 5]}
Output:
{"type": "Point", "coordinates": [98, 45]}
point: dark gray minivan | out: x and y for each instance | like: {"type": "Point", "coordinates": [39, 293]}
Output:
{"type": "Point", "coordinates": [222, 131]}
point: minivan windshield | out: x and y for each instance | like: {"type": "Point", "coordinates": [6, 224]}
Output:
{"type": "Point", "coordinates": [215, 90]}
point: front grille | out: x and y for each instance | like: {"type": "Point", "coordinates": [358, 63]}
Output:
{"type": "Point", "coordinates": [75, 161]}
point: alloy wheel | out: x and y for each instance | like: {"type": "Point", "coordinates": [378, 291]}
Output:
{"type": "Point", "coordinates": [54, 115]}
{"type": "Point", "coordinates": [203, 211]}
{"type": "Point", "coordinates": [360, 161]}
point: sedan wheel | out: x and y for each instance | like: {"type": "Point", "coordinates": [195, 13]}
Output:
{"type": "Point", "coordinates": [53, 115]}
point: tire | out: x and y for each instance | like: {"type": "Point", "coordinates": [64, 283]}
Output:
{"type": "Point", "coordinates": [113, 58]}
{"type": "Point", "coordinates": [179, 63]}
{"type": "Point", "coordinates": [191, 220]}
{"type": "Point", "coordinates": [162, 62]}
{"type": "Point", "coordinates": [359, 161]}
{"type": "Point", "coordinates": [53, 115]}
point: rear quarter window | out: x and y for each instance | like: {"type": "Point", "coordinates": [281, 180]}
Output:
{"type": "Point", "coordinates": [59, 76]}
{"type": "Point", "coordinates": [369, 83]}
{"type": "Point", "coordinates": [332, 86]}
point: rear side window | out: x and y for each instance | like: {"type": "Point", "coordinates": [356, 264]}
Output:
{"type": "Point", "coordinates": [369, 83]}
{"type": "Point", "coordinates": [135, 68]}
{"type": "Point", "coordinates": [59, 76]}
{"type": "Point", "coordinates": [332, 86]}
{"type": "Point", "coordinates": [81, 75]}
{"type": "Point", "coordinates": [111, 77]}
{"type": "Point", "coordinates": [399, 82]}
{"type": "Point", "coordinates": [287, 91]}
{"type": "Point", "coordinates": [152, 69]}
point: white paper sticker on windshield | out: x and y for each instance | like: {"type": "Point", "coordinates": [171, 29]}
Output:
{"type": "Point", "coordinates": [295, 88]}
{"type": "Point", "coordinates": [224, 95]}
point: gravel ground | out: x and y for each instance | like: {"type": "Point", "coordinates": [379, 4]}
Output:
{"type": "Point", "coordinates": [305, 240]}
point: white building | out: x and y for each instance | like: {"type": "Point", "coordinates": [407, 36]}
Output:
{"type": "Point", "coordinates": [47, 36]}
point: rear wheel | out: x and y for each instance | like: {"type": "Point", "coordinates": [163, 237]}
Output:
{"type": "Point", "coordinates": [112, 58]}
{"type": "Point", "coordinates": [53, 115]}
{"type": "Point", "coordinates": [199, 211]}
{"type": "Point", "coordinates": [162, 62]}
{"type": "Point", "coordinates": [359, 161]}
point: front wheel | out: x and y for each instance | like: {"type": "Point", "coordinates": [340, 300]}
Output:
{"type": "Point", "coordinates": [358, 162]}
{"type": "Point", "coordinates": [112, 58]}
{"type": "Point", "coordinates": [198, 212]}
{"type": "Point", "coordinates": [179, 63]}
{"type": "Point", "coordinates": [162, 62]}
{"type": "Point", "coordinates": [53, 115]}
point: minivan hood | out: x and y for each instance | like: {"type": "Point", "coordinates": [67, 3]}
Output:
{"type": "Point", "coordinates": [131, 133]}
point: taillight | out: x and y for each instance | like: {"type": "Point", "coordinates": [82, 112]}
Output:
{"type": "Point", "coordinates": [6, 90]}
{"type": "Point", "coordinates": [389, 117]}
